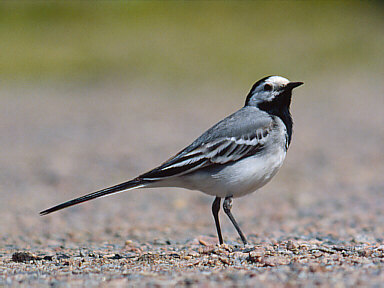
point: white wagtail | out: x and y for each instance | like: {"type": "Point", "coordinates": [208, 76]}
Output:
{"type": "Point", "coordinates": [235, 157]}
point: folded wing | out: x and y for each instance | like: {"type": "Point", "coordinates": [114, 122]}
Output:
{"type": "Point", "coordinates": [247, 139]}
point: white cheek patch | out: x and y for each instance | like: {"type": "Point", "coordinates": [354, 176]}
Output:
{"type": "Point", "coordinates": [265, 96]}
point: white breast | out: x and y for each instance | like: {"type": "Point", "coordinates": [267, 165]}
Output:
{"type": "Point", "coordinates": [249, 174]}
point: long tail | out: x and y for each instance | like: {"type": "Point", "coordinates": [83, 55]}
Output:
{"type": "Point", "coordinates": [135, 183]}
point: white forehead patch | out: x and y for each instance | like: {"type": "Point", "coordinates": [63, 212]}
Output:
{"type": "Point", "coordinates": [277, 81]}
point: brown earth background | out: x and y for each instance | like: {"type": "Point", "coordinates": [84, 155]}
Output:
{"type": "Point", "coordinates": [93, 95]}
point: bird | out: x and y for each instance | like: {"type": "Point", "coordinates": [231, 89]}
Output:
{"type": "Point", "coordinates": [235, 157]}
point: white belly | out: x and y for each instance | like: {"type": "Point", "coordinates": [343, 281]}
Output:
{"type": "Point", "coordinates": [238, 179]}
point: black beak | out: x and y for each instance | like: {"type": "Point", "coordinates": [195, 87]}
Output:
{"type": "Point", "coordinates": [292, 85]}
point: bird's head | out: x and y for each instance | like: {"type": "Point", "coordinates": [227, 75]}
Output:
{"type": "Point", "coordinates": [271, 89]}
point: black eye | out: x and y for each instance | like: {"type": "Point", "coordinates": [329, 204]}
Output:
{"type": "Point", "coordinates": [267, 87]}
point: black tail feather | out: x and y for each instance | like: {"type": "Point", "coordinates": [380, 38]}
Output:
{"type": "Point", "coordinates": [110, 190]}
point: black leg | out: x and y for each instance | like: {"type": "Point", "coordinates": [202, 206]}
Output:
{"type": "Point", "coordinates": [227, 206]}
{"type": "Point", "coordinates": [215, 212]}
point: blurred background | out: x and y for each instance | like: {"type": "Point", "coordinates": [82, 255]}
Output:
{"type": "Point", "coordinates": [94, 93]}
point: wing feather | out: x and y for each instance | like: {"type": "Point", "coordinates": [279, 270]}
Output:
{"type": "Point", "coordinates": [240, 135]}
{"type": "Point", "coordinates": [221, 151]}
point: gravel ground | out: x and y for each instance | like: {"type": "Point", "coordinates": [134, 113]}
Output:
{"type": "Point", "coordinates": [319, 222]}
